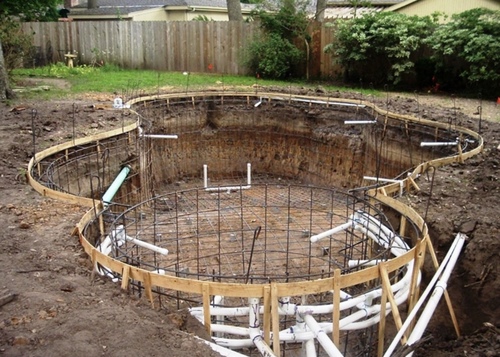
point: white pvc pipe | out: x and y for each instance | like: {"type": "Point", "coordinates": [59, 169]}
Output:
{"type": "Point", "coordinates": [437, 143]}
{"type": "Point", "coordinates": [332, 231]}
{"type": "Point", "coordinates": [254, 328]}
{"type": "Point", "coordinates": [155, 136]}
{"type": "Point", "coordinates": [159, 136]}
{"type": "Point", "coordinates": [439, 290]}
{"type": "Point", "coordinates": [140, 243]}
{"type": "Point", "coordinates": [321, 336]}
{"type": "Point", "coordinates": [360, 122]}
{"type": "Point", "coordinates": [234, 343]}
{"type": "Point", "coordinates": [119, 234]}
{"type": "Point", "coordinates": [205, 176]}
{"type": "Point", "coordinates": [423, 297]}
{"type": "Point", "coordinates": [309, 348]}
{"type": "Point", "coordinates": [234, 330]}
{"type": "Point", "coordinates": [364, 262]}
{"type": "Point", "coordinates": [227, 188]}
{"type": "Point", "coordinates": [218, 300]}
{"type": "Point", "coordinates": [226, 352]}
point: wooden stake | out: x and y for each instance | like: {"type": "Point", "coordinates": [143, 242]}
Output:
{"type": "Point", "coordinates": [386, 285]}
{"type": "Point", "coordinates": [381, 325]}
{"type": "Point", "coordinates": [337, 275]}
{"type": "Point", "coordinates": [148, 288]}
{"type": "Point", "coordinates": [206, 308]}
{"type": "Point", "coordinates": [267, 314]}
{"type": "Point", "coordinates": [125, 277]}
{"type": "Point", "coordinates": [275, 319]}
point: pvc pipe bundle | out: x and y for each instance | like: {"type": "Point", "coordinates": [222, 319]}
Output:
{"type": "Point", "coordinates": [442, 273]}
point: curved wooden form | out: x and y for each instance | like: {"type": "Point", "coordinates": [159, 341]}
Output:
{"type": "Point", "coordinates": [271, 292]}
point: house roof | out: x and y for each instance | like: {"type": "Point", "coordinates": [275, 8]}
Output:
{"type": "Point", "coordinates": [126, 7]}
{"type": "Point", "coordinates": [347, 12]}
{"type": "Point", "coordinates": [372, 2]}
{"type": "Point", "coordinates": [344, 8]}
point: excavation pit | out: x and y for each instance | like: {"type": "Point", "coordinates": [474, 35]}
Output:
{"type": "Point", "coordinates": [312, 232]}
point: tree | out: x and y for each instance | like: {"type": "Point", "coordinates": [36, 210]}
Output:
{"type": "Point", "coordinates": [5, 91]}
{"type": "Point", "coordinates": [320, 10]}
{"type": "Point", "coordinates": [32, 10]}
{"type": "Point", "coordinates": [11, 12]}
{"type": "Point", "coordinates": [234, 10]}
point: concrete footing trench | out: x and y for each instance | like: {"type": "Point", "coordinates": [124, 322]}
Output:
{"type": "Point", "coordinates": [278, 220]}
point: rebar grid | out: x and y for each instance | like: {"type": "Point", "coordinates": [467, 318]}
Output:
{"type": "Point", "coordinates": [212, 235]}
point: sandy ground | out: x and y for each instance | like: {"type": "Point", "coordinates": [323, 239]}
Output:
{"type": "Point", "coordinates": [58, 310]}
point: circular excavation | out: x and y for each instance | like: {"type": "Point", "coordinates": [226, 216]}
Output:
{"type": "Point", "coordinates": [272, 217]}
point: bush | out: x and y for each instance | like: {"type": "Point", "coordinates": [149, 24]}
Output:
{"type": "Point", "coordinates": [276, 53]}
{"type": "Point", "coordinates": [466, 51]}
{"type": "Point", "coordinates": [380, 47]}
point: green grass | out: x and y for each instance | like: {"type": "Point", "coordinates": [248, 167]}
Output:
{"type": "Point", "coordinates": [112, 79]}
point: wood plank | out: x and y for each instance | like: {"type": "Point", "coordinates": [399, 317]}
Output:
{"type": "Point", "coordinates": [275, 319]}
{"type": "Point", "coordinates": [206, 308]}
{"type": "Point", "coordinates": [386, 285]}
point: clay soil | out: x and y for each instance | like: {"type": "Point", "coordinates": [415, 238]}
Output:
{"type": "Point", "coordinates": [58, 309]}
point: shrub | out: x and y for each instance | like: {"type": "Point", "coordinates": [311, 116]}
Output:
{"type": "Point", "coordinates": [466, 50]}
{"type": "Point", "coordinates": [380, 47]}
{"type": "Point", "coordinates": [279, 50]}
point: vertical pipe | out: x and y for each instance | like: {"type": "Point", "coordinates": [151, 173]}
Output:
{"type": "Point", "coordinates": [322, 337]}
{"type": "Point", "coordinates": [254, 328]}
{"type": "Point", "coordinates": [249, 174]}
{"type": "Point", "coordinates": [205, 176]}
{"type": "Point", "coordinates": [310, 348]}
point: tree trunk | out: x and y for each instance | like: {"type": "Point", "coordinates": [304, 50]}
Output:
{"type": "Point", "coordinates": [5, 91]}
{"type": "Point", "coordinates": [234, 10]}
{"type": "Point", "coordinates": [320, 10]}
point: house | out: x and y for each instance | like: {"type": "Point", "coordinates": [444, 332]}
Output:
{"type": "Point", "coordinates": [150, 10]}
{"type": "Point", "coordinates": [428, 7]}
{"type": "Point", "coordinates": [345, 9]}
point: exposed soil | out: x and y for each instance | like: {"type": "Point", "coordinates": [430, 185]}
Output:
{"type": "Point", "coordinates": [58, 310]}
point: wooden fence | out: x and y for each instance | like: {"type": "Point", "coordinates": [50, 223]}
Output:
{"type": "Point", "coordinates": [194, 46]}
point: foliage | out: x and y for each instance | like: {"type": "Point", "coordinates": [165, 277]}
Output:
{"type": "Point", "coordinates": [276, 53]}
{"type": "Point", "coordinates": [273, 57]}
{"type": "Point", "coordinates": [467, 50]}
{"type": "Point", "coordinates": [15, 44]}
{"type": "Point", "coordinates": [380, 47]}
{"type": "Point", "coordinates": [32, 10]}
{"type": "Point", "coordinates": [202, 18]}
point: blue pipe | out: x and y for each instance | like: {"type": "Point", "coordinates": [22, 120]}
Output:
{"type": "Point", "coordinates": [107, 198]}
